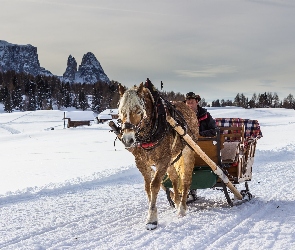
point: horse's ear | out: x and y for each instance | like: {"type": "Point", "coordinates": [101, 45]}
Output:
{"type": "Point", "coordinates": [140, 89]}
{"type": "Point", "coordinates": [121, 90]}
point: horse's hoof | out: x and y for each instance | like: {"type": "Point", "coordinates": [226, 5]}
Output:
{"type": "Point", "coordinates": [181, 215]}
{"type": "Point", "coordinates": [152, 225]}
{"type": "Point", "coordinates": [181, 212]}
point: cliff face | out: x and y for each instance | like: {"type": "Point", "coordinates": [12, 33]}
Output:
{"type": "Point", "coordinates": [24, 58]}
{"type": "Point", "coordinates": [20, 58]}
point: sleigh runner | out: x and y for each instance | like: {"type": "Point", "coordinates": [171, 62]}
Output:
{"type": "Point", "coordinates": [232, 149]}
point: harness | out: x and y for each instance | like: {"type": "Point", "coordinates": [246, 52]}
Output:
{"type": "Point", "coordinates": [158, 127]}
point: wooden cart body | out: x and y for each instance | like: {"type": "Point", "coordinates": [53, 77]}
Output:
{"type": "Point", "coordinates": [232, 149]}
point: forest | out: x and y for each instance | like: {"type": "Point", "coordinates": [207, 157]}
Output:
{"type": "Point", "coordinates": [23, 92]}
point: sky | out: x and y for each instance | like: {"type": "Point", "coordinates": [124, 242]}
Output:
{"type": "Point", "coordinates": [215, 48]}
{"type": "Point", "coordinates": [73, 189]}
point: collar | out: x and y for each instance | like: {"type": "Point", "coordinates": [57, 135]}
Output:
{"type": "Point", "coordinates": [148, 145]}
{"type": "Point", "coordinates": [204, 117]}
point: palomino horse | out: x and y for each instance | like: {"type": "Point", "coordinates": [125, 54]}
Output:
{"type": "Point", "coordinates": [146, 133]}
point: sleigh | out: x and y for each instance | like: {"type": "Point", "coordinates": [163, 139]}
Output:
{"type": "Point", "coordinates": [232, 150]}
{"type": "Point", "coordinates": [147, 127]}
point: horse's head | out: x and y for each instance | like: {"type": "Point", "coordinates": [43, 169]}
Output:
{"type": "Point", "coordinates": [132, 111]}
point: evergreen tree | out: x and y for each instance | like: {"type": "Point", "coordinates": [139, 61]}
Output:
{"type": "Point", "coordinates": [237, 100]}
{"type": "Point", "coordinates": [276, 100]}
{"type": "Point", "coordinates": [8, 106]}
{"type": "Point", "coordinates": [216, 103]}
{"type": "Point", "coordinates": [31, 97]}
{"type": "Point", "coordinates": [263, 101]}
{"type": "Point", "coordinates": [270, 98]}
{"type": "Point", "coordinates": [254, 101]}
{"type": "Point", "coordinates": [251, 104]}
{"type": "Point", "coordinates": [243, 101]}
{"type": "Point", "coordinates": [289, 102]}
{"type": "Point", "coordinates": [3, 94]}
{"type": "Point", "coordinates": [41, 93]}
{"type": "Point", "coordinates": [83, 100]}
{"type": "Point", "coordinates": [96, 100]}
{"type": "Point", "coordinates": [224, 103]}
{"type": "Point", "coordinates": [67, 95]}
{"type": "Point", "coordinates": [17, 99]}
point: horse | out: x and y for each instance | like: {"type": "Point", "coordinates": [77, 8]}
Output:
{"type": "Point", "coordinates": [148, 136]}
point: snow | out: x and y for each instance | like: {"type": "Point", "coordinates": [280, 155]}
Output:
{"type": "Point", "coordinates": [72, 189]}
{"type": "Point", "coordinates": [109, 111]}
{"type": "Point", "coordinates": [80, 115]}
{"type": "Point", "coordinates": [107, 114]}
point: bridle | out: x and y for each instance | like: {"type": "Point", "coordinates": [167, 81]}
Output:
{"type": "Point", "coordinates": [147, 131]}
{"type": "Point", "coordinates": [136, 128]}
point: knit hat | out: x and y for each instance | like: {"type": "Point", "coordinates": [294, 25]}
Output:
{"type": "Point", "coordinates": [192, 95]}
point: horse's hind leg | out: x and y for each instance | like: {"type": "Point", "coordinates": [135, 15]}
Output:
{"type": "Point", "coordinates": [173, 176]}
{"type": "Point", "coordinates": [186, 177]}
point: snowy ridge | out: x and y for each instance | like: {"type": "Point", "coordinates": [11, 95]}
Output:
{"type": "Point", "coordinates": [73, 189]}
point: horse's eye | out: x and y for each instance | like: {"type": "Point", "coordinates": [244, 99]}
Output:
{"type": "Point", "coordinates": [139, 112]}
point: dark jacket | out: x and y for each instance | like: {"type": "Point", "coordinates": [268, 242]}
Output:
{"type": "Point", "coordinates": [207, 124]}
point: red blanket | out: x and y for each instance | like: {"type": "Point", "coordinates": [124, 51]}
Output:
{"type": "Point", "coordinates": [252, 127]}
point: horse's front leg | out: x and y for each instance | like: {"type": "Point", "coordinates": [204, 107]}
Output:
{"type": "Point", "coordinates": [146, 172]}
{"type": "Point", "coordinates": [149, 175]}
{"type": "Point", "coordinates": [152, 218]}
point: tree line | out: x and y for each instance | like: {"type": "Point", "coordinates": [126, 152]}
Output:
{"type": "Point", "coordinates": [24, 92]}
{"type": "Point", "coordinates": [264, 100]}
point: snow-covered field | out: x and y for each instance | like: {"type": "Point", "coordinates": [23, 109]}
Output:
{"type": "Point", "coordinates": [72, 189]}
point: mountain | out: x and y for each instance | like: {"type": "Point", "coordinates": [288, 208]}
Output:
{"type": "Point", "coordinates": [20, 58]}
{"type": "Point", "coordinates": [24, 58]}
{"type": "Point", "coordinates": [71, 70]}
{"type": "Point", "coordinates": [89, 71]}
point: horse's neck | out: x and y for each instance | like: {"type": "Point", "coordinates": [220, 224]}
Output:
{"type": "Point", "coordinates": [147, 124]}
{"type": "Point", "coordinates": [150, 108]}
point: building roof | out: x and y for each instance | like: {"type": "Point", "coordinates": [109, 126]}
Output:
{"type": "Point", "coordinates": [109, 112]}
{"type": "Point", "coordinates": [80, 115]}
{"type": "Point", "coordinates": [104, 117]}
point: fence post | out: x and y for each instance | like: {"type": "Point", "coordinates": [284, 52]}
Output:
{"type": "Point", "coordinates": [64, 120]}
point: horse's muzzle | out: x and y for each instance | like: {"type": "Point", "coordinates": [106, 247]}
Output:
{"type": "Point", "coordinates": [128, 139]}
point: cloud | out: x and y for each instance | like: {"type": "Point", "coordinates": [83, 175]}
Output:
{"type": "Point", "coordinates": [267, 82]}
{"type": "Point", "coordinates": [102, 5]}
{"type": "Point", "coordinates": [278, 3]}
{"type": "Point", "coordinates": [207, 71]}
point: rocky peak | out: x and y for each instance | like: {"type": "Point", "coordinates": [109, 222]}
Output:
{"type": "Point", "coordinates": [20, 58]}
{"type": "Point", "coordinates": [71, 70]}
{"type": "Point", "coordinates": [90, 70]}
